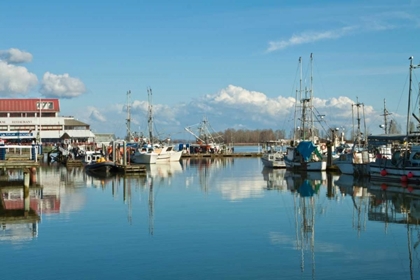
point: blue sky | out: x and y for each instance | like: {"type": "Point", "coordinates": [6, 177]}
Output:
{"type": "Point", "coordinates": [234, 62]}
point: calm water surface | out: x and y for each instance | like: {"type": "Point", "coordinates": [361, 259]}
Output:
{"type": "Point", "coordinates": [210, 219]}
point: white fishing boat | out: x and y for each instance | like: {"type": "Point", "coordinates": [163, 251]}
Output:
{"type": "Point", "coordinates": [357, 160]}
{"type": "Point", "coordinates": [273, 155]}
{"type": "Point", "coordinates": [167, 153]}
{"type": "Point", "coordinates": [144, 155]}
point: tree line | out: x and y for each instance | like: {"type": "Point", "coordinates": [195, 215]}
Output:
{"type": "Point", "coordinates": [247, 136]}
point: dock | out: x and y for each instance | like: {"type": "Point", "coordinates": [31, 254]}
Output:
{"type": "Point", "coordinates": [18, 164]}
{"type": "Point", "coordinates": [229, 155]}
{"type": "Point", "coordinates": [131, 169]}
{"type": "Point", "coordinates": [74, 163]}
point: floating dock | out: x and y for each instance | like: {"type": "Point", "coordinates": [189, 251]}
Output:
{"type": "Point", "coordinates": [131, 169]}
{"type": "Point", "coordinates": [209, 155]}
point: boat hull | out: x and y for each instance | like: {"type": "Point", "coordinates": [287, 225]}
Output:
{"type": "Point", "coordinates": [144, 158]}
{"type": "Point", "coordinates": [273, 161]}
{"type": "Point", "coordinates": [306, 166]}
{"type": "Point", "coordinates": [383, 170]}
{"type": "Point", "coordinates": [101, 167]}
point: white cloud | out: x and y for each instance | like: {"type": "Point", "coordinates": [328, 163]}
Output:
{"type": "Point", "coordinates": [61, 86]}
{"type": "Point", "coordinates": [309, 37]}
{"type": "Point", "coordinates": [380, 21]}
{"type": "Point", "coordinates": [249, 101]}
{"type": "Point", "coordinates": [13, 55]}
{"type": "Point", "coordinates": [15, 79]}
{"type": "Point", "coordinates": [231, 107]}
{"type": "Point", "coordinates": [95, 115]}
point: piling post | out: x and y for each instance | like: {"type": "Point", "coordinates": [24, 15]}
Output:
{"type": "Point", "coordinates": [2, 150]}
{"type": "Point", "coordinates": [114, 151]}
{"type": "Point", "coordinates": [26, 179]}
{"type": "Point", "coordinates": [32, 180]}
{"type": "Point", "coordinates": [124, 153]}
{"type": "Point", "coordinates": [330, 190]}
{"type": "Point", "coordinates": [26, 199]}
{"type": "Point", "coordinates": [33, 152]}
{"type": "Point", "coordinates": [329, 154]}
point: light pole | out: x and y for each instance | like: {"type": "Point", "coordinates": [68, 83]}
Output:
{"type": "Point", "coordinates": [39, 122]}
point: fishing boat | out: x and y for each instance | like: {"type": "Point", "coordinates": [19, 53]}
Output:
{"type": "Point", "coordinates": [404, 164]}
{"type": "Point", "coordinates": [144, 154]}
{"type": "Point", "coordinates": [357, 160]}
{"type": "Point", "coordinates": [305, 156]}
{"type": "Point", "coordinates": [207, 140]}
{"type": "Point", "coordinates": [95, 162]}
{"type": "Point", "coordinates": [273, 155]}
{"type": "Point", "coordinates": [149, 152]}
{"type": "Point", "coordinates": [167, 153]}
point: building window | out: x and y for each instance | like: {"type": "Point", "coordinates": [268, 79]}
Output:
{"type": "Point", "coordinates": [30, 115]}
{"type": "Point", "coordinates": [47, 115]}
{"type": "Point", "coordinates": [45, 105]}
{"type": "Point", "coordinates": [15, 115]}
{"type": "Point", "coordinates": [3, 115]}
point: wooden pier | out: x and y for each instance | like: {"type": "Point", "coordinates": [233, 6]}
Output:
{"type": "Point", "coordinates": [209, 155]}
{"type": "Point", "coordinates": [74, 163]}
{"type": "Point", "coordinates": [18, 164]}
{"type": "Point", "coordinates": [131, 169]}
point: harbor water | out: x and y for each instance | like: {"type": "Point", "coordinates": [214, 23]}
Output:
{"type": "Point", "coordinates": [210, 219]}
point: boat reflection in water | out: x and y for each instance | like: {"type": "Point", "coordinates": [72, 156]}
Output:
{"type": "Point", "coordinates": [398, 203]}
{"type": "Point", "coordinates": [356, 188]}
{"type": "Point", "coordinates": [306, 189]}
{"type": "Point", "coordinates": [163, 170]}
{"type": "Point", "coordinates": [275, 178]}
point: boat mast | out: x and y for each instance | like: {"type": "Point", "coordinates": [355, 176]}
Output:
{"type": "Point", "coordinates": [358, 132]}
{"type": "Point", "coordinates": [298, 97]}
{"type": "Point", "coordinates": [307, 120]}
{"type": "Point", "coordinates": [385, 114]}
{"type": "Point", "coordinates": [409, 97]}
{"type": "Point", "coordinates": [150, 119]}
{"type": "Point", "coordinates": [128, 123]}
{"type": "Point", "coordinates": [311, 117]}
{"type": "Point", "coordinates": [409, 92]}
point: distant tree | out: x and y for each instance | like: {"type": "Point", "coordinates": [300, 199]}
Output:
{"type": "Point", "coordinates": [394, 127]}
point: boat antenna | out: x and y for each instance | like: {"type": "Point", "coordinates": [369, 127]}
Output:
{"type": "Point", "coordinates": [409, 92]}
{"type": "Point", "coordinates": [357, 134]}
{"type": "Point", "coordinates": [409, 96]}
{"type": "Point", "coordinates": [150, 120]}
{"type": "Point", "coordinates": [385, 114]}
{"type": "Point", "coordinates": [298, 97]}
{"type": "Point", "coordinates": [128, 123]}
{"type": "Point", "coordinates": [311, 118]}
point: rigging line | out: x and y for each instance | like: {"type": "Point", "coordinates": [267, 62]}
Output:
{"type": "Point", "coordinates": [319, 78]}
{"type": "Point", "coordinates": [293, 94]}
{"type": "Point", "coordinates": [403, 93]}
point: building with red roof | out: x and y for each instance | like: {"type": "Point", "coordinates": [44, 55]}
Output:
{"type": "Point", "coordinates": [25, 120]}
